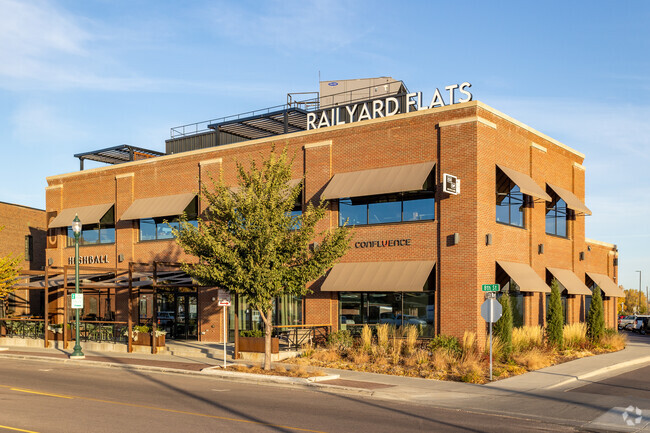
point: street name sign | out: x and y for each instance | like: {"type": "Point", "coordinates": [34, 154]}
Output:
{"type": "Point", "coordinates": [491, 287]}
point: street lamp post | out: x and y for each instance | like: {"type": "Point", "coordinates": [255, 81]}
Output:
{"type": "Point", "coordinates": [76, 229]}
{"type": "Point", "coordinates": [638, 308]}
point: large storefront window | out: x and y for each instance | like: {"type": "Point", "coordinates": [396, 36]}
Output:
{"type": "Point", "coordinates": [94, 234]}
{"type": "Point", "coordinates": [509, 201]}
{"type": "Point", "coordinates": [154, 229]}
{"type": "Point", "coordinates": [287, 310]}
{"type": "Point", "coordinates": [516, 301]}
{"type": "Point", "coordinates": [394, 308]}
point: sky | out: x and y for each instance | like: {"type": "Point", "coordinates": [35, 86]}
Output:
{"type": "Point", "coordinates": [81, 76]}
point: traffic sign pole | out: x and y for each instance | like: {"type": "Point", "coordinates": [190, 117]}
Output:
{"type": "Point", "coordinates": [225, 313]}
{"type": "Point", "coordinates": [491, 317]}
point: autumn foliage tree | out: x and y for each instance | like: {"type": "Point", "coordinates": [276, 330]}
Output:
{"type": "Point", "coordinates": [251, 244]}
{"type": "Point", "coordinates": [9, 269]}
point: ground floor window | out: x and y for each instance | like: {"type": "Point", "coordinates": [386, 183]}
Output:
{"type": "Point", "coordinates": [395, 308]}
{"type": "Point", "coordinates": [178, 313]}
{"type": "Point", "coordinates": [563, 300]}
{"type": "Point", "coordinates": [516, 301]}
{"type": "Point", "coordinates": [287, 310]}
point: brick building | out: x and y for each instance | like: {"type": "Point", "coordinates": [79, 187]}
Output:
{"type": "Point", "coordinates": [419, 255]}
{"type": "Point", "coordinates": [23, 235]}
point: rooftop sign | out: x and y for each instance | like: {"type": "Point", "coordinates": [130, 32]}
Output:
{"type": "Point", "coordinates": [385, 107]}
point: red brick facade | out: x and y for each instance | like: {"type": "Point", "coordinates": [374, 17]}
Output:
{"type": "Point", "coordinates": [466, 140]}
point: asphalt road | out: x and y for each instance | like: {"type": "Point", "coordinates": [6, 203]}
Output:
{"type": "Point", "coordinates": [634, 385]}
{"type": "Point", "coordinates": [54, 397]}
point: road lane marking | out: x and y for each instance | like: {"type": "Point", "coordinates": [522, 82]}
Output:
{"type": "Point", "coordinates": [162, 409]}
{"type": "Point", "coordinates": [29, 391]}
{"type": "Point", "coordinates": [16, 429]}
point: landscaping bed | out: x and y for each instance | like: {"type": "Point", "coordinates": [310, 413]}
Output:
{"type": "Point", "coordinates": [399, 352]}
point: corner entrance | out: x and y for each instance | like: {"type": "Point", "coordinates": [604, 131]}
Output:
{"type": "Point", "coordinates": [178, 314]}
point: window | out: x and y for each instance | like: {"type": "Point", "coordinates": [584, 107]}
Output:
{"type": "Point", "coordinates": [390, 208]}
{"type": "Point", "coordinates": [93, 234]}
{"type": "Point", "coordinates": [510, 201]}
{"type": "Point", "coordinates": [29, 248]}
{"type": "Point", "coordinates": [297, 212]}
{"type": "Point", "coordinates": [516, 301]}
{"type": "Point", "coordinates": [155, 229]}
{"type": "Point", "coordinates": [557, 215]}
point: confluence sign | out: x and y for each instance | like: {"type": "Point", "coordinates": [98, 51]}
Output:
{"type": "Point", "coordinates": [491, 287]}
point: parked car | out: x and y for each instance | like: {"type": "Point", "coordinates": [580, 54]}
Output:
{"type": "Point", "coordinates": [641, 324]}
{"type": "Point", "coordinates": [626, 322]}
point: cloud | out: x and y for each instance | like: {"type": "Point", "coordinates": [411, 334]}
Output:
{"type": "Point", "coordinates": [37, 125]}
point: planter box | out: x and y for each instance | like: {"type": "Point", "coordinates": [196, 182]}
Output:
{"type": "Point", "coordinates": [55, 336]}
{"type": "Point", "coordinates": [256, 344]}
{"type": "Point", "coordinates": [145, 340]}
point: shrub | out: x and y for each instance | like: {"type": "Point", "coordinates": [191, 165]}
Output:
{"type": "Point", "coordinates": [595, 317]}
{"type": "Point", "coordinates": [442, 359]}
{"type": "Point", "coordinates": [533, 359]}
{"type": "Point", "coordinates": [497, 348]}
{"type": "Point", "coordinates": [469, 344]}
{"type": "Point", "coordinates": [612, 340]}
{"type": "Point", "coordinates": [575, 335]}
{"type": "Point", "coordinates": [340, 340]}
{"type": "Point", "coordinates": [366, 338]}
{"type": "Point", "coordinates": [527, 337]}
{"type": "Point", "coordinates": [446, 342]}
{"type": "Point", "coordinates": [382, 335]}
{"type": "Point", "coordinates": [555, 317]}
{"type": "Point", "coordinates": [411, 332]}
{"type": "Point", "coordinates": [252, 333]}
{"type": "Point", "coordinates": [503, 327]}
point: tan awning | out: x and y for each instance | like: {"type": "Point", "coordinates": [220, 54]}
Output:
{"type": "Point", "coordinates": [525, 277]}
{"type": "Point", "coordinates": [378, 277]}
{"type": "Point", "coordinates": [525, 183]}
{"type": "Point", "coordinates": [378, 181]}
{"type": "Point", "coordinates": [572, 202]}
{"type": "Point", "coordinates": [606, 284]}
{"type": "Point", "coordinates": [87, 215]}
{"type": "Point", "coordinates": [164, 206]}
{"type": "Point", "coordinates": [570, 281]}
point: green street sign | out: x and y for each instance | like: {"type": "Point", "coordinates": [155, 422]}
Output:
{"type": "Point", "coordinates": [491, 287]}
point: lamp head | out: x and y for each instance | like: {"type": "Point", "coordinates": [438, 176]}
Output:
{"type": "Point", "coordinates": [76, 225]}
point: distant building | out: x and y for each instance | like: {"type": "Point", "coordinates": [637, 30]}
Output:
{"type": "Point", "coordinates": [23, 235]}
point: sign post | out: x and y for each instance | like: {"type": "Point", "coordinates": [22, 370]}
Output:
{"type": "Point", "coordinates": [491, 311]}
{"type": "Point", "coordinates": [224, 301]}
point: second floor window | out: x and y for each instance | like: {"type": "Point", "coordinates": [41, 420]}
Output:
{"type": "Point", "coordinates": [510, 201]}
{"type": "Point", "coordinates": [388, 208]}
{"type": "Point", "coordinates": [557, 215]}
{"type": "Point", "coordinates": [160, 228]}
{"type": "Point", "coordinates": [94, 234]}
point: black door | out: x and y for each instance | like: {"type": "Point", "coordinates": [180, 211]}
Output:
{"type": "Point", "coordinates": [186, 317]}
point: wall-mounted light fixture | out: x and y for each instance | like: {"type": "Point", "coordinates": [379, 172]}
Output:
{"type": "Point", "coordinates": [456, 238]}
{"type": "Point", "coordinates": [582, 255]}
{"type": "Point", "coordinates": [540, 249]}
{"type": "Point", "coordinates": [120, 258]}
{"type": "Point", "coordinates": [488, 239]}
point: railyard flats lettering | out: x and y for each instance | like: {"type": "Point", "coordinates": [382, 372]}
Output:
{"type": "Point", "coordinates": [386, 107]}
{"type": "Point", "coordinates": [383, 243]}
{"type": "Point", "coordinates": [89, 260]}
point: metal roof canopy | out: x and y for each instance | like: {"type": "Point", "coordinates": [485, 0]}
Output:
{"type": "Point", "coordinates": [277, 122]}
{"type": "Point", "coordinates": [117, 155]}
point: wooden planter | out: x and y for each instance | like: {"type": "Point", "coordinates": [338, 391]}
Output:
{"type": "Point", "coordinates": [55, 336]}
{"type": "Point", "coordinates": [144, 339]}
{"type": "Point", "coordinates": [256, 344]}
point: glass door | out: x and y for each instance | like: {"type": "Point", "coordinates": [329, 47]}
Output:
{"type": "Point", "coordinates": [186, 320]}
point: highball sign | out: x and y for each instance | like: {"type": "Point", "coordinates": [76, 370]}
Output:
{"type": "Point", "coordinates": [386, 107]}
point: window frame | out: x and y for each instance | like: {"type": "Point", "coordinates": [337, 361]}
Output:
{"type": "Point", "coordinates": [105, 224]}
{"type": "Point", "coordinates": [171, 220]}
{"type": "Point", "coordinates": [557, 215]}
{"type": "Point", "coordinates": [508, 196]}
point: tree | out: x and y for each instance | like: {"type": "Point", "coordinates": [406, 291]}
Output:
{"type": "Point", "coordinates": [9, 269]}
{"type": "Point", "coordinates": [503, 326]}
{"type": "Point", "coordinates": [555, 317]}
{"type": "Point", "coordinates": [596, 317]}
{"type": "Point", "coordinates": [250, 243]}
{"type": "Point", "coordinates": [634, 302]}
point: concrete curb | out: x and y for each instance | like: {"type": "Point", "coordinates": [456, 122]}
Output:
{"type": "Point", "coordinates": [208, 371]}
{"type": "Point", "coordinates": [598, 372]}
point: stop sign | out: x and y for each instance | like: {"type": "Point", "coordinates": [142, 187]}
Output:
{"type": "Point", "coordinates": [491, 310]}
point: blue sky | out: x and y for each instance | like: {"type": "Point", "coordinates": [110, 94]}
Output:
{"type": "Point", "coordinates": [79, 76]}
